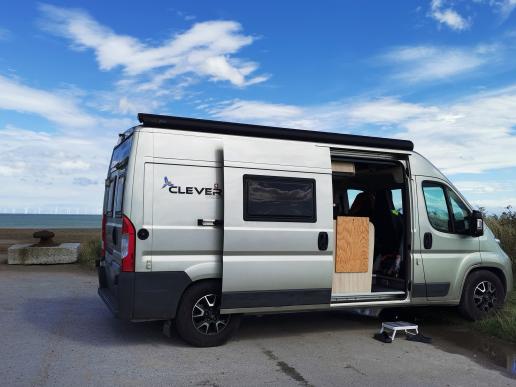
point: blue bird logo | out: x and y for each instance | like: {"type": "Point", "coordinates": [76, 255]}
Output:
{"type": "Point", "coordinates": [167, 183]}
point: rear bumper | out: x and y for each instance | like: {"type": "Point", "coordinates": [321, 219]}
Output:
{"type": "Point", "coordinates": [143, 296]}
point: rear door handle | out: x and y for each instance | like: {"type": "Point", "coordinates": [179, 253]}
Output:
{"type": "Point", "coordinates": [209, 222]}
{"type": "Point", "coordinates": [427, 240]}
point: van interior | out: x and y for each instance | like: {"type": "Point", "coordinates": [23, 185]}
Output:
{"type": "Point", "coordinates": [369, 213]}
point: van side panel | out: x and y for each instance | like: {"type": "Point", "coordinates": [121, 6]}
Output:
{"type": "Point", "coordinates": [183, 194]}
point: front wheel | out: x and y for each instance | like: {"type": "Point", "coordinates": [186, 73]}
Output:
{"type": "Point", "coordinates": [482, 295]}
{"type": "Point", "coordinates": [198, 319]}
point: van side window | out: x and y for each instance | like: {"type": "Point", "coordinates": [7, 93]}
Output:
{"type": "Point", "coordinates": [279, 199]}
{"type": "Point", "coordinates": [460, 213]}
{"type": "Point", "coordinates": [352, 194]}
{"type": "Point", "coordinates": [397, 200]}
{"type": "Point", "coordinates": [446, 210]}
{"type": "Point", "coordinates": [436, 206]}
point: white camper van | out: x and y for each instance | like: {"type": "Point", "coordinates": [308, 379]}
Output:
{"type": "Point", "coordinates": [204, 221]}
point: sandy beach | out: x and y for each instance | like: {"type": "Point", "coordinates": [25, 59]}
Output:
{"type": "Point", "coordinates": [12, 236]}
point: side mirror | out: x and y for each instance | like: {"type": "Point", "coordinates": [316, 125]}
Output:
{"type": "Point", "coordinates": [476, 224]}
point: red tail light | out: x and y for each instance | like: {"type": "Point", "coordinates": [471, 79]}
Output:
{"type": "Point", "coordinates": [103, 251]}
{"type": "Point", "coordinates": [128, 241]}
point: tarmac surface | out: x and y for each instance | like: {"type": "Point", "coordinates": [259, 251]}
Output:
{"type": "Point", "coordinates": [55, 330]}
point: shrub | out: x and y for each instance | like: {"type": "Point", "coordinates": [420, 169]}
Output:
{"type": "Point", "coordinates": [89, 252]}
{"type": "Point", "coordinates": [503, 227]}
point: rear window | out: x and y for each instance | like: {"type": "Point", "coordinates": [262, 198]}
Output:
{"type": "Point", "coordinates": [121, 152]}
{"type": "Point", "coordinates": [114, 194]}
{"type": "Point", "coordinates": [119, 197]}
{"type": "Point", "coordinates": [110, 195]}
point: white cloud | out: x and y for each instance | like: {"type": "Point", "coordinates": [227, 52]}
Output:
{"type": "Point", "coordinates": [430, 63]}
{"type": "Point", "coordinates": [495, 205]}
{"type": "Point", "coordinates": [467, 136]}
{"type": "Point", "coordinates": [447, 16]}
{"type": "Point", "coordinates": [44, 170]}
{"type": "Point", "coordinates": [481, 187]}
{"type": "Point", "coordinates": [205, 50]}
{"type": "Point", "coordinates": [386, 111]}
{"type": "Point", "coordinates": [470, 135]}
{"type": "Point", "coordinates": [504, 7]}
{"type": "Point", "coordinates": [59, 109]}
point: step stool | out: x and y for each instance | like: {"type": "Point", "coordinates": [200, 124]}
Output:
{"type": "Point", "coordinates": [395, 326]}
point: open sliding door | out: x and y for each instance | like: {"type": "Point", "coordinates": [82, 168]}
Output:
{"type": "Point", "coordinates": [278, 227]}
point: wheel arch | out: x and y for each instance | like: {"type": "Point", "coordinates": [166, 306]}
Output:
{"type": "Point", "coordinates": [192, 284]}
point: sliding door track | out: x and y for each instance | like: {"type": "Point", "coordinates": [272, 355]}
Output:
{"type": "Point", "coordinates": [378, 296]}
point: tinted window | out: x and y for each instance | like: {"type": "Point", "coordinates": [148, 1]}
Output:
{"type": "Point", "coordinates": [436, 207]}
{"type": "Point", "coordinates": [119, 195]}
{"type": "Point", "coordinates": [460, 213]}
{"type": "Point", "coordinates": [110, 197]}
{"type": "Point", "coordinates": [279, 199]}
{"type": "Point", "coordinates": [121, 152]}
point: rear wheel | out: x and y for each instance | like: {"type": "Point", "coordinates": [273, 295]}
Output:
{"type": "Point", "coordinates": [482, 295]}
{"type": "Point", "coordinates": [198, 320]}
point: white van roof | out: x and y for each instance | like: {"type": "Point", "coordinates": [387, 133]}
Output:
{"type": "Point", "coordinates": [248, 130]}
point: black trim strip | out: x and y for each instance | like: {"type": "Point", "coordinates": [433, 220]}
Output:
{"type": "Point", "coordinates": [437, 289]}
{"type": "Point", "coordinates": [419, 290]}
{"type": "Point", "coordinates": [238, 129]}
{"type": "Point", "coordinates": [273, 298]}
{"type": "Point", "coordinates": [433, 289]}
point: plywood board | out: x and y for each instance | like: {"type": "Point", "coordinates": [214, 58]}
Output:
{"type": "Point", "coordinates": [352, 254]}
{"type": "Point", "coordinates": [351, 283]}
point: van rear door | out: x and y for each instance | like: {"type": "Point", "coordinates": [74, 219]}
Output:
{"type": "Point", "coordinates": [113, 215]}
{"type": "Point", "coordinates": [278, 230]}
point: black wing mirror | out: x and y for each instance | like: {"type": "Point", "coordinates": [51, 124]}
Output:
{"type": "Point", "coordinates": [476, 224]}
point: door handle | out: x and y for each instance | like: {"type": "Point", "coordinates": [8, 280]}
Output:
{"type": "Point", "coordinates": [427, 240]}
{"type": "Point", "coordinates": [209, 222]}
{"type": "Point", "coordinates": [322, 241]}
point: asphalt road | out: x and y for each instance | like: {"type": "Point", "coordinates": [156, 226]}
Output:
{"type": "Point", "coordinates": [56, 331]}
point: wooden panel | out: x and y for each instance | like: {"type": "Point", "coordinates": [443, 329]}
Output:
{"type": "Point", "coordinates": [347, 283]}
{"type": "Point", "coordinates": [352, 245]}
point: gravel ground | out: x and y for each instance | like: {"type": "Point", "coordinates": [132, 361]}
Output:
{"type": "Point", "coordinates": [56, 331]}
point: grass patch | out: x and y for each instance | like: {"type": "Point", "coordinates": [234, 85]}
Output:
{"type": "Point", "coordinates": [503, 323]}
{"type": "Point", "coordinates": [89, 252]}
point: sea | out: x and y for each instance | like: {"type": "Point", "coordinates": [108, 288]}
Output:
{"type": "Point", "coordinates": [49, 221]}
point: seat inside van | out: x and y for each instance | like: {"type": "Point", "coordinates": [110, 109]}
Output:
{"type": "Point", "coordinates": [373, 192]}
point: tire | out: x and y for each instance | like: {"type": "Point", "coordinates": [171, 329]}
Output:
{"type": "Point", "coordinates": [483, 295]}
{"type": "Point", "coordinates": [198, 321]}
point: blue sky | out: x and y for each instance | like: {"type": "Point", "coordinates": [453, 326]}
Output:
{"type": "Point", "coordinates": [441, 73]}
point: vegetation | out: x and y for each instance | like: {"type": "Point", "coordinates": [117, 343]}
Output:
{"type": "Point", "coordinates": [89, 252]}
{"type": "Point", "coordinates": [504, 228]}
{"type": "Point", "coordinates": [503, 324]}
